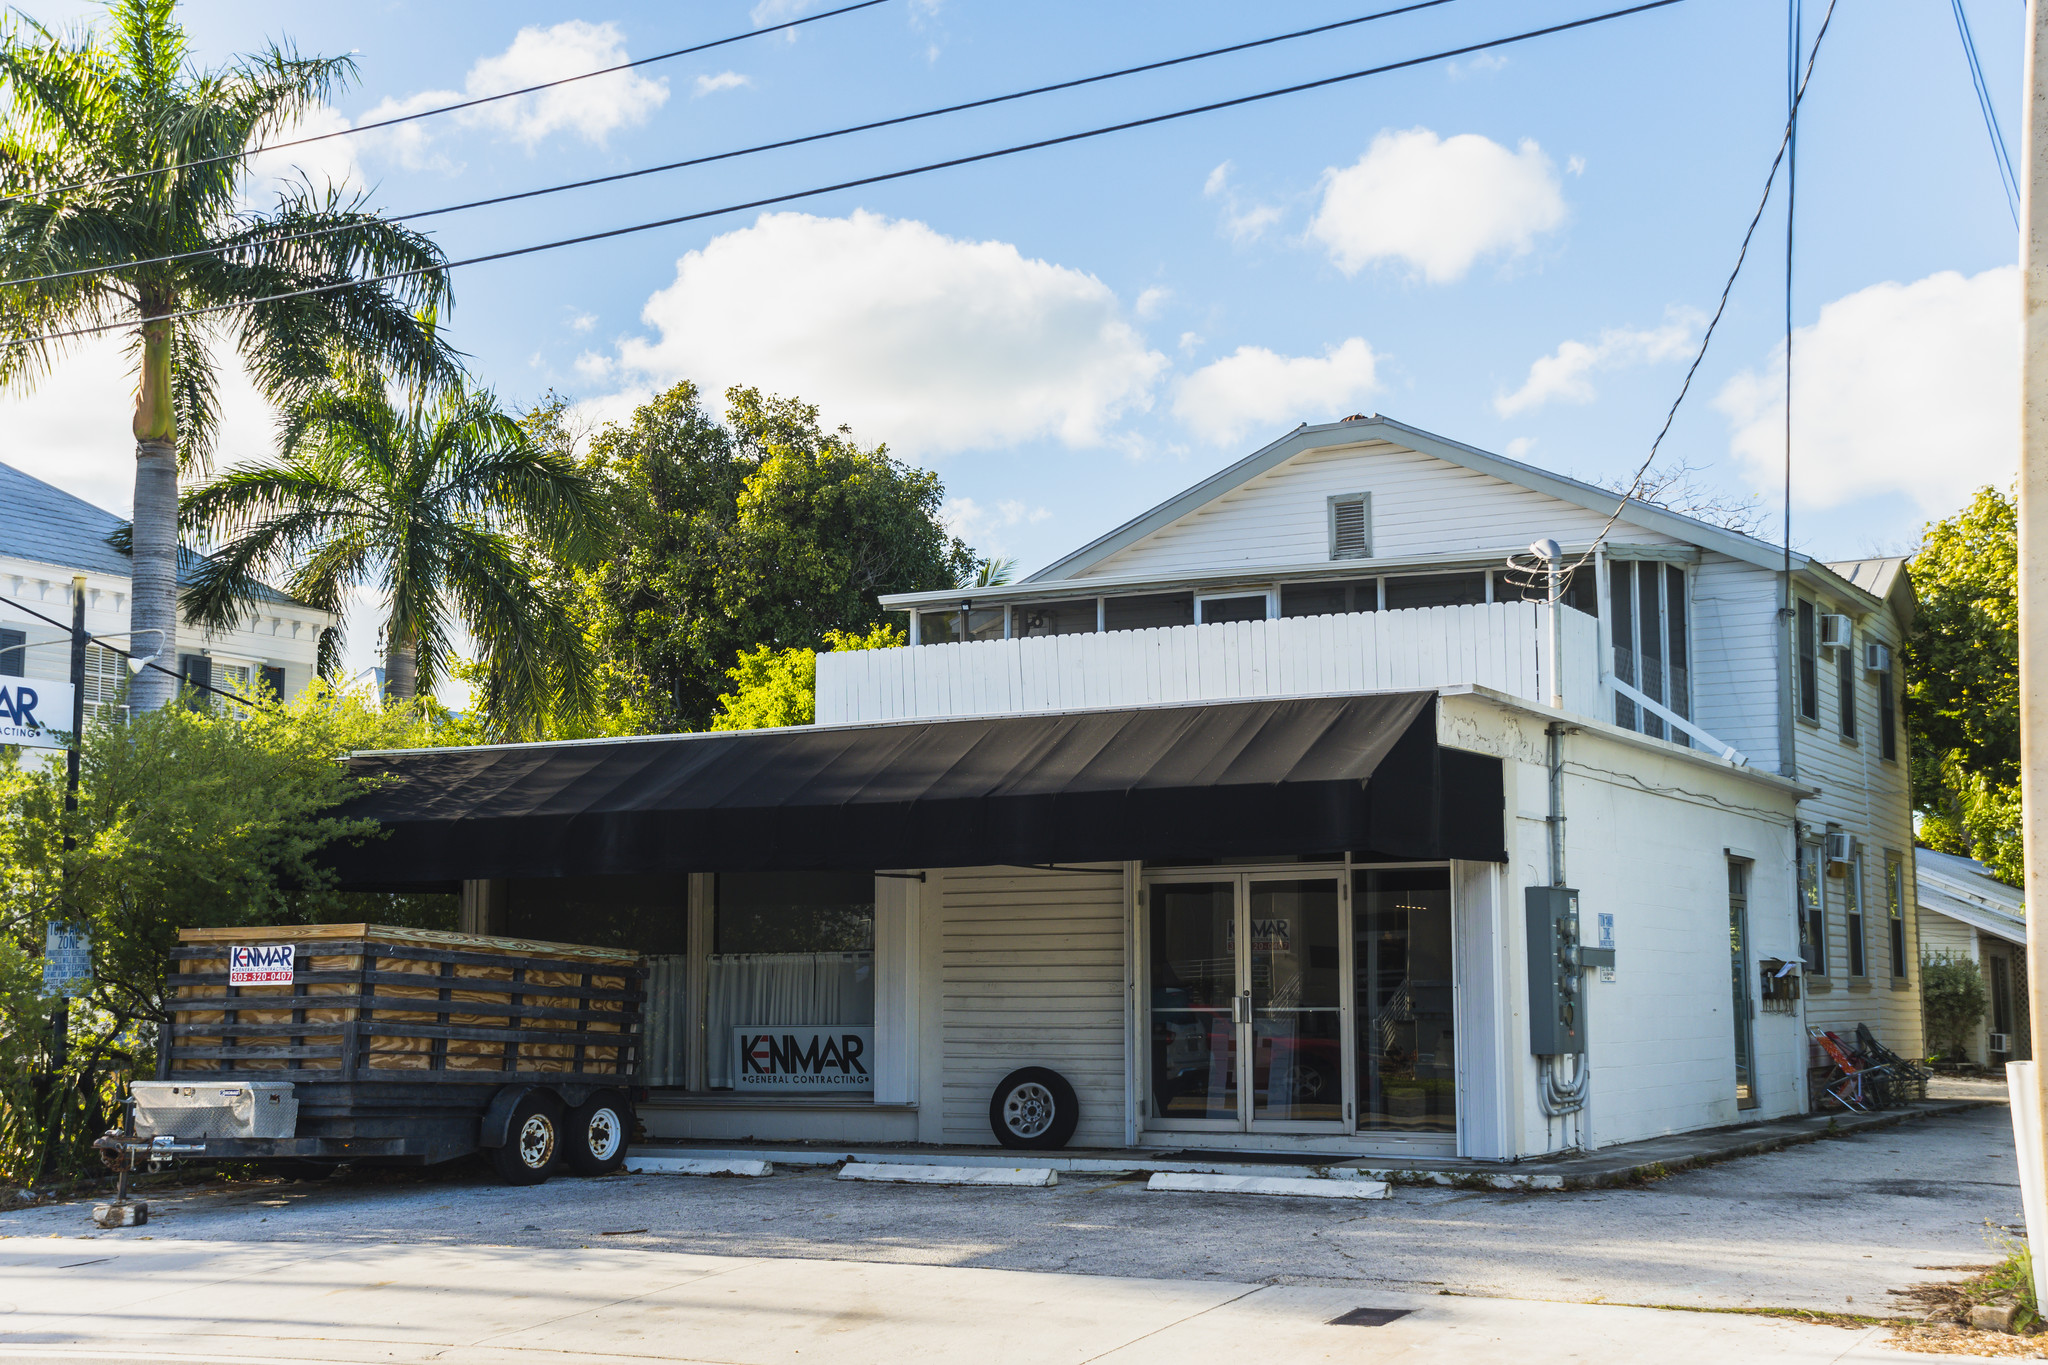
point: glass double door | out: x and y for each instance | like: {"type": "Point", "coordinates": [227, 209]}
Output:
{"type": "Point", "coordinates": [1247, 1019]}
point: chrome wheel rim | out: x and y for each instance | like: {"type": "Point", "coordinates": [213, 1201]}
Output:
{"type": "Point", "coordinates": [536, 1142]}
{"type": "Point", "coordinates": [1028, 1110]}
{"type": "Point", "coordinates": [605, 1133]}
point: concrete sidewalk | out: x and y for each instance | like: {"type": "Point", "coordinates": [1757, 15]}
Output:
{"type": "Point", "coordinates": [1624, 1164]}
{"type": "Point", "coordinates": [128, 1299]}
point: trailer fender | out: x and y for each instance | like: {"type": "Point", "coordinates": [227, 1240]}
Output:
{"type": "Point", "coordinates": [497, 1119]}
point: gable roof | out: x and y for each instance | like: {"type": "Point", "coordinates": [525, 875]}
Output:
{"type": "Point", "coordinates": [1353, 431]}
{"type": "Point", "coordinates": [43, 523]}
{"type": "Point", "coordinates": [1964, 890]}
{"type": "Point", "coordinates": [1887, 580]}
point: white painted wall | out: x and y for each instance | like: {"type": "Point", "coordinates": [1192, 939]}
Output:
{"type": "Point", "coordinates": [1420, 506]}
{"type": "Point", "coordinates": [1646, 828]}
{"type": "Point", "coordinates": [1735, 663]}
{"type": "Point", "coordinates": [1502, 645]}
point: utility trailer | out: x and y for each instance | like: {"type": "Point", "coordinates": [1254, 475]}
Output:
{"type": "Point", "coordinates": [306, 1046]}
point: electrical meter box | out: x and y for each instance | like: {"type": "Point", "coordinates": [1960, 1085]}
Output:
{"type": "Point", "coordinates": [1558, 960]}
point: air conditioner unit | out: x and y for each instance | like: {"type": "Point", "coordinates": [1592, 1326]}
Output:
{"type": "Point", "coordinates": [1999, 1042]}
{"type": "Point", "coordinates": [1841, 848]}
{"type": "Point", "coordinates": [1834, 632]}
{"type": "Point", "coordinates": [1877, 658]}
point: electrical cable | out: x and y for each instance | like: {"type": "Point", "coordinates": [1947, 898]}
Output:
{"type": "Point", "coordinates": [857, 183]}
{"type": "Point", "coordinates": [1706, 340]}
{"type": "Point", "coordinates": [737, 152]}
{"type": "Point", "coordinates": [441, 109]}
{"type": "Point", "coordinates": [2008, 180]}
{"type": "Point", "coordinates": [149, 662]}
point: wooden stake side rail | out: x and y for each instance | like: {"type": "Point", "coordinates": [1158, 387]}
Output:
{"type": "Point", "coordinates": [569, 1018]}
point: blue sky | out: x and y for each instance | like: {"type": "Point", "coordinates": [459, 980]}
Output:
{"type": "Point", "coordinates": [1516, 251]}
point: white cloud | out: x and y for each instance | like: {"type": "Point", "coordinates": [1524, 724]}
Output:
{"type": "Point", "coordinates": [329, 162]}
{"type": "Point", "coordinates": [1907, 388]}
{"type": "Point", "coordinates": [1151, 301]}
{"type": "Point", "coordinates": [1436, 204]}
{"type": "Point", "coordinates": [1485, 64]}
{"type": "Point", "coordinates": [583, 322]}
{"type": "Point", "coordinates": [1190, 340]}
{"type": "Point", "coordinates": [1576, 165]}
{"type": "Point", "coordinates": [1519, 448]}
{"type": "Point", "coordinates": [73, 429]}
{"type": "Point", "coordinates": [1253, 387]}
{"type": "Point", "coordinates": [1243, 223]}
{"type": "Point", "coordinates": [766, 12]}
{"type": "Point", "coordinates": [594, 368]}
{"type": "Point", "coordinates": [1564, 375]}
{"type": "Point", "coordinates": [724, 80]}
{"type": "Point", "coordinates": [928, 342]}
{"type": "Point", "coordinates": [979, 526]}
{"type": "Point", "coordinates": [591, 109]}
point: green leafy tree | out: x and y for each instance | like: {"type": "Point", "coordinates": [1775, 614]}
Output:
{"type": "Point", "coordinates": [1951, 1002]}
{"type": "Point", "coordinates": [1962, 684]}
{"type": "Point", "coordinates": [93, 123]}
{"type": "Point", "coordinates": [780, 686]}
{"type": "Point", "coordinates": [186, 818]}
{"type": "Point", "coordinates": [444, 505]}
{"type": "Point", "coordinates": [762, 532]}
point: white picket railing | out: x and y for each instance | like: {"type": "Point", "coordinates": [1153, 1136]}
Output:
{"type": "Point", "coordinates": [1502, 645]}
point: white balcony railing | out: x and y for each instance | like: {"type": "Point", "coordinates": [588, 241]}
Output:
{"type": "Point", "coordinates": [1502, 645]}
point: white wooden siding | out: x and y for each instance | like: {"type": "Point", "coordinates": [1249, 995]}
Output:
{"type": "Point", "coordinates": [1420, 506]}
{"type": "Point", "coordinates": [1503, 645]}
{"type": "Point", "coordinates": [1735, 694]}
{"type": "Point", "coordinates": [1867, 796]}
{"type": "Point", "coordinates": [1031, 973]}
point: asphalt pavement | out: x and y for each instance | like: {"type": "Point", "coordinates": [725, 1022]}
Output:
{"type": "Point", "coordinates": [1829, 1226]}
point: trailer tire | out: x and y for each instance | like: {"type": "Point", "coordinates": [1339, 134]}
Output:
{"type": "Point", "coordinates": [533, 1141]}
{"type": "Point", "coordinates": [1034, 1108]}
{"type": "Point", "coordinates": [595, 1136]}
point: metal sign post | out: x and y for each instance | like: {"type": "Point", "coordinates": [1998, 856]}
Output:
{"type": "Point", "coordinates": [2030, 1121]}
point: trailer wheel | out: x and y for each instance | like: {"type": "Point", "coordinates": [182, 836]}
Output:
{"type": "Point", "coordinates": [596, 1134]}
{"type": "Point", "coordinates": [533, 1141]}
{"type": "Point", "coordinates": [1034, 1108]}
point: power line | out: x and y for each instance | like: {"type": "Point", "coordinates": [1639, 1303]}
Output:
{"type": "Point", "coordinates": [739, 152]}
{"type": "Point", "coordinates": [149, 662]}
{"type": "Point", "coordinates": [882, 178]}
{"type": "Point", "coordinates": [445, 108]}
{"type": "Point", "coordinates": [2007, 179]}
{"type": "Point", "coordinates": [1707, 339]}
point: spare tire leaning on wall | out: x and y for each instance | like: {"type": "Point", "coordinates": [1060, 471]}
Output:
{"type": "Point", "coordinates": [1034, 1108]}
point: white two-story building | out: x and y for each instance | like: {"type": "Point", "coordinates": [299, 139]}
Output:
{"type": "Point", "coordinates": [48, 537]}
{"type": "Point", "coordinates": [1242, 827]}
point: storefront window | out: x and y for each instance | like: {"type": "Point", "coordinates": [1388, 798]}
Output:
{"type": "Point", "coordinates": [644, 914]}
{"type": "Point", "coordinates": [793, 953]}
{"type": "Point", "coordinates": [1407, 1056]}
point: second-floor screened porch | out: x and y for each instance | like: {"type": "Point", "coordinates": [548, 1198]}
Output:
{"type": "Point", "coordinates": [1505, 646]}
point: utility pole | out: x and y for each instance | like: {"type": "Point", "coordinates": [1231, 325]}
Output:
{"type": "Point", "coordinates": [2030, 1117]}
{"type": "Point", "coordinates": [60, 1013]}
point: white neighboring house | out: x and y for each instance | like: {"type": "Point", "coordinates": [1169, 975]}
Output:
{"type": "Point", "coordinates": [1967, 912]}
{"type": "Point", "coordinates": [1129, 821]}
{"type": "Point", "coordinates": [48, 535]}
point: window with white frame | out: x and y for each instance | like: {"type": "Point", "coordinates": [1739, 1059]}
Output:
{"type": "Point", "coordinates": [1852, 912]}
{"type": "Point", "coordinates": [1649, 629]}
{"type": "Point", "coordinates": [1895, 911]}
{"type": "Point", "coordinates": [1813, 920]}
{"type": "Point", "coordinates": [1845, 686]}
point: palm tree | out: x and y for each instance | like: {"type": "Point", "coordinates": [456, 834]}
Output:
{"type": "Point", "coordinates": [992, 572]}
{"type": "Point", "coordinates": [115, 152]}
{"type": "Point", "coordinates": [445, 506]}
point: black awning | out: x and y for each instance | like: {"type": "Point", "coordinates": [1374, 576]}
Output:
{"type": "Point", "coordinates": [1322, 774]}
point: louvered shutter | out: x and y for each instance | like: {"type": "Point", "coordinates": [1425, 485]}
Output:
{"type": "Point", "coordinates": [1350, 527]}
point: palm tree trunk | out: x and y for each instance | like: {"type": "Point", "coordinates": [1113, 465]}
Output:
{"type": "Point", "coordinates": [153, 599]}
{"type": "Point", "coordinates": [401, 663]}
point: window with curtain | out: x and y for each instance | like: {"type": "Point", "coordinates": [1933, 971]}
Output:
{"type": "Point", "coordinates": [1813, 925]}
{"type": "Point", "coordinates": [789, 949]}
{"type": "Point", "coordinates": [1895, 907]}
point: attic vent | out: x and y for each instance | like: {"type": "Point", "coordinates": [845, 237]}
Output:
{"type": "Point", "coordinates": [1351, 526]}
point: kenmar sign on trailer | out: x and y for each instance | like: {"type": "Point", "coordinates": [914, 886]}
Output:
{"type": "Point", "coordinates": [780, 1057]}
